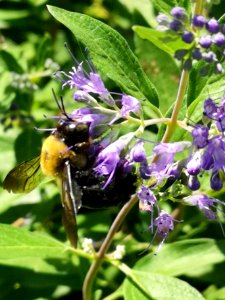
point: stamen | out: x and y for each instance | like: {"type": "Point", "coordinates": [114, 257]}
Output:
{"type": "Point", "coordinates": [89, 62]}
{"type": "Point", "coordinates": [55, 74]}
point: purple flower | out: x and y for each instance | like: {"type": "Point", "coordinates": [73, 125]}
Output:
{"type": "Point", "coordinates": [216, 149]}
{"type": "Point", "coordinates": [162, 20]}
{"type": "Point", "coordinates": [178, 12]}
{"type": "Point", "coordinates": [209, 56]}
{"type": "Point", "coordinates": [93, 117]}
{"type": "Point", "coordinates": [91, 82]}
{"type": "Point", "coordinates": [137, 153]}
{"type": "Point", "coordinates": [213, 158]}
{"type": "Point", "coordinates": [165, 153]}
{"type": "Point", "coordinates": [207, 160]}
{"type": "Point", "coordinates": [164, 223]}
{"type": "Point", "coordinates": [175, 169]}
{"type": "Point", "coordinates": [218, 68]}
{"type": "Point", "coordinates": [193, 183]}
{"type": "Point", "coordinates": [220, 124]}
{"type": "Point", "coordinates": [219, 39]}
{"type": "Point", "coordinates": [210, 108]}
{"type": "Point", "coordinates": [205, 204]}
{"type": "Point", "coordinates": [180, 54]}
{"type": "Point", "coordinates": [129, 104]}
{"type": "Point", "coordinates": [215, 181]}
{"type": "Point", "coordinates": [188, 37]}
{"type": "Point", "coordinates": [205, 41]}
{"type": "Point", "coordinates": [145, 170]}
{"type": "Point", "coordinates": [84, 97]}
{"type": "Point", "coordinates": [196, 54]}
{"type": "Point", "coordinates": [198, 21]}
{"type": "Point", "coordinates": [212, 25]}
{"type": "Point", "coordinates": [175, 25]}
{"type": "Point", "coordinates": [200, 135]}
{"type": "Point", "coordinates": [126, 166]}
{"type": "Point", "coordinates": [108, 159]}
{"type": "Point", "coordinates": [194, 164]}
{"type": "Point", "coordinates": [187, 65]}
{"type": "Point", "coordinates": [146, 198]}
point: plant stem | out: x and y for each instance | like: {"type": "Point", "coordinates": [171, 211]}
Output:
{"type": "Point", "coordinates": [178, 104]}
{"type": "Point", "coordinates": [198, 7]}
{"type": "Point", "coordinates": [88, 282]}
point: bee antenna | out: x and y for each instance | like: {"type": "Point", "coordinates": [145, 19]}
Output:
{"type": "Point", "coordinates": [63, 109]}
{"type": "Point", "coordinates": [56, 101]}
{"type": "Point", "coordinates": [61, 106]}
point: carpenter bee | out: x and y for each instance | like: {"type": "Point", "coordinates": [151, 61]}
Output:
{"type": "Point", "coordinates": [65, 155]}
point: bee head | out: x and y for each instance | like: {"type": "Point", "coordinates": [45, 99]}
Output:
{"type": "Point", "coordinates": [72, 133]}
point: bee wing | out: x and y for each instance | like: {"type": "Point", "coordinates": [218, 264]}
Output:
{"type": "Point", "coordinates": [25, 177]}
{"type": "Point", "coordinates": [71, 202]}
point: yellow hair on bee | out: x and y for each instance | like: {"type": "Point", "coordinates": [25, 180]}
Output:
{"type": "Point", "coordinates": [53, 154]}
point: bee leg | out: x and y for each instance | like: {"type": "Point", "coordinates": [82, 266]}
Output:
{"type": "Point", "coordinates": [71, 202]}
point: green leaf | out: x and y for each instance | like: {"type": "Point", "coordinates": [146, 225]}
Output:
{"type": "Point", "coordinates": [196, 83]}
{"type": "Point", "coordinates": [154, 60]}
{"type": "Point", "coordinates": [213, 293]}
{"type": "Point", "coordinates": [179, 258]}
{"type": "Point", "coordinates": [110, 54]}
{"type": "Point", "coordinates": [19, 246]}
{"type": "Point", "coordinates": [37, 260]}
{"type": "Point", "coordinates": [146, 285]}
{"type": "Point", "coordinates": [164, 40]}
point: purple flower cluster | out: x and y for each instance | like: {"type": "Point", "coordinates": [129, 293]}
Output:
{"type": "Point", "coordinates": [115, 150]}
{"type": "Point", "coordinates": [206, 154]}
{"type": "Point", "coordinates": [160, 169]}
{"type": "Point", "coordinates": [163, 224]}
{"type": "Point", "coordinates": [206, 39]}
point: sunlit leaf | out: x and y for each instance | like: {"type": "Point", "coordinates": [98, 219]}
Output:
{"type": "Point", "coordinates": [110, 54]}
{"type": "Point", "coordinates": [174, 259]}
{"type": "Point", "coordinates": [147, 285]}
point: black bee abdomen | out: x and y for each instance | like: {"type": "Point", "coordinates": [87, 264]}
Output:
{"type": "Point", "coordinates": [116, 193]}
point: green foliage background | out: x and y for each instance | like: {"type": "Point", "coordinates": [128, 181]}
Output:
{"type": "Point", "coordinates": [36, 262]}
